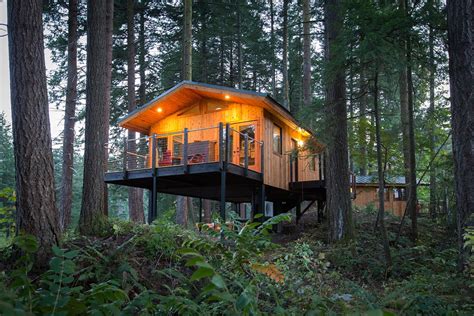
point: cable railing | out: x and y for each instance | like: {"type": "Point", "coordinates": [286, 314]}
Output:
{"type": "Point", "coordinates": [186, 147]}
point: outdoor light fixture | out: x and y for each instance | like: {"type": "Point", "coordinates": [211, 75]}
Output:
{"type": "Point", "coordinates": [159, 110]}
{"type": "Point", "coordinates": [300, 143]}
{"type": "Point", "coordinates": [227, 97]}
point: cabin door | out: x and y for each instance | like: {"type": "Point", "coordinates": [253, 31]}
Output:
{"type": "Point", "coordinates": [238, 144]}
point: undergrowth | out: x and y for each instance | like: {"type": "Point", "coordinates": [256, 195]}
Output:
{"type": "Point", "coordinates": [163, 269]}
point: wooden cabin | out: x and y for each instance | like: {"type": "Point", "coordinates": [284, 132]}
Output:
{"type": "Point", "coordinates": [395, 197]}
{"type": "Point", "coordinates": [220, 143]}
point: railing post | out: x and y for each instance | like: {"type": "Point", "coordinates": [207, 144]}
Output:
{"type": "Point", "coordinates": [227, 144]}
{"type": "Point", "coordinates": [125, 160]}
{"type": "Point", "coordinates": [291, 168]}
{"type": "Point", "coordinates": [152, 212]}
{"type": "Point", "coordinates": [185, 151]}
{"type": "Point", "coordinates": [221, 144]}
{"type": "Point", "coordinates": [262, 159]}
{"type": "Point", "coordinates": [319, 167]}
{"type": "Point", "coordinates": [246, 154]}
{"type": "Point", "coordinates": [153, 153]}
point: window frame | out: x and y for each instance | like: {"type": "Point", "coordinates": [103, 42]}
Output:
{"type": "Point", "coordinates": [280, 147]}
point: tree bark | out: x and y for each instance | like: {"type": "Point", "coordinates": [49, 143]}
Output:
{"type": "Point", "coordinates": [141, 57]}
{"type": "Point", "coordinates": [69, 118]}
{"type": "Point", "coordinates": [187, 40]}
{"type": "Point", "coordinates": [135, 195]}
{"type": "Point", "coordinates": [461, 73]}
{"type": "Point", "coordinates": [272, 43]}
{"type": "Point", "coordinates": [431, 117]}
{"type": "Point", "coordinates": [204, 50]}
{"type": "Point", "coordinates": [381, 175]}
{"type": "Point", "coordinates": [182, 202]}
{"type": "Point", "coordinates": [408, 134]}
{"type": "Point", "coordinates": [338, 194]}
{"type": "Point", "coordinates": [286, 84]}
{"type": "Point", "coordinates": [363, 124]}
{"type": "Point", "coordinates": [36, 210]}
{"type": "Point", "coordinates": [306, 54]}
{"type": "Point", "coordinates": [93, 197]}
{"type": "Point", "coordinates": [239, 47]}
{"type": "Point", "coordinates": [108, 38]}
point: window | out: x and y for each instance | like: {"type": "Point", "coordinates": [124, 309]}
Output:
{"type": "Point", "coordinates": [162, 146]}
{"type": "Point", "coordinates": [312, 163]}
{"type": "Point", "coordinates": [386, 195]}
{"type": "Point", "coordinates": [399, 194]}
{"type": "Point", "coordinates": [177, 145]}
{"type": "Point", "coordinates": [250, 131]}
{"type": "Point", "coordinates": [215, 106]}
{"type": "Point", "coordinates": [277, 140]}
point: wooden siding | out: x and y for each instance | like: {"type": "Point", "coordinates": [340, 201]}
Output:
{"type": "Point", "coordinates": [277, 166]}
{"type": "Point", "coordinates": [368, 195]}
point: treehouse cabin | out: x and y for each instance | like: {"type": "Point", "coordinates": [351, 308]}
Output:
{"type": "Point", "coordinates": [395, 197]}
{"type": "Point", "coordinates": [223, 144]}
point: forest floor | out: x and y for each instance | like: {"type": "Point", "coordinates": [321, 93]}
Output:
{"type": "Point", "coordinates": [164, 269]}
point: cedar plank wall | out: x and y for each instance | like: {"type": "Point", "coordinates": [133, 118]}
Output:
{"type": "Point", "coordinates": [368, 194]}
{"type": "Point", "coordinates": [277, 167]}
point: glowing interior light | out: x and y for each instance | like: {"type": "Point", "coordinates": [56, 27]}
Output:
{"type": "Point", "coordinates": [227, 97]}
{"type": "Point", "coordinates": [300, 143]}
{"type": "Point", "coordinates": [159, 110]}
{"type": "Point", "coordinates": [219, 108]}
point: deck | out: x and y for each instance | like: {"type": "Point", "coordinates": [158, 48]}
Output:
{"type": "Point", "coordinates": [217, 163]}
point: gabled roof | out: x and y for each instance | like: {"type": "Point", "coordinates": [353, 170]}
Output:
{"type": "Point", "coordinates": [187, 93]}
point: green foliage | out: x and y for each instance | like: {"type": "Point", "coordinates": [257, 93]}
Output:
{"type": "Point", "coordinates": [165, 269]}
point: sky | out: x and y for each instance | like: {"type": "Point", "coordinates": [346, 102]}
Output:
{"type": "Point", "coordinates": [56, 117]}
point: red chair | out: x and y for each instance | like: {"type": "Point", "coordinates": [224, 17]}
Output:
{"type": "Point", "coordinates": [165, 159]}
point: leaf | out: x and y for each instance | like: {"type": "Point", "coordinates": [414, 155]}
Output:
{"type": "Point", "coordinates": [269, 270]}
{"type": "Point", "coordinates": [242, 301]}
{"type": "Point", "coordinates": [201, 273]}
{"type": "Point", "coordinates": [26, 243]}
{"type": "Point", "coordinates": [218, 281]}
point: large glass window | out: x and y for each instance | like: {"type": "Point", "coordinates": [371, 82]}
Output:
{"type": "Point", "coordinates": [250, 131]}
{"type": "Point", "coordinates": [399, 194]}
{"type": "Point", "coordinates": [277, 140]}
{"type": "Point", "coordinates": [177, 145]}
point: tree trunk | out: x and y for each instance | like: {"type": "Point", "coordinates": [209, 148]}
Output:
{"type": "Point", "coordinates": [431, 118]}
{"type": "Point", "coordinates": [306, 54]}
{"type": "Point", "coordinates": [239, 47]}
{"type": "Point", "coordinates": [204, 53]}
{"type": "Point", "coordinates": [286, 85]}
{"type": "Point", "coordinates": [221, 52]}
{"type": "Point", "coordinates": [406, 113]}
{"type": "Point", "coordinates": [461, 73]}
{"type": "Point", "coordinates": [135, 195]}
{"type": "Point", "coordinates": [182, 202]}
{"type": "Point", "coordinates": [141, 58]}
{"type": "Point", "coordinates": [363, 124]}
{"type": "Point", "coordinates": [272, 43]}
{"type": "Point", "coordinates": [69, 119]}
{"type": "Point", "coordinates": [381, 175]}
{"type": "Point", "coordinates": [412, 201]}
{"type": "Point", "coordinates": [35, 198]}
{"type": "Point", "coordinates": [338, 195]}
{"type": "Point", "coordinates": [187, 40]}
{"type": "Point", "coordinates": [108, 38]}
{"type": "Point", "coordinates": [92, 211]}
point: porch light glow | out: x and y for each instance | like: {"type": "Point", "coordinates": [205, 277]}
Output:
{"type": "Point", "coordinates": [227, 97]}
{"type": "Point", "coordinates": [300, 143]}
{"type": "Point", "coordinates": [159, 110]}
